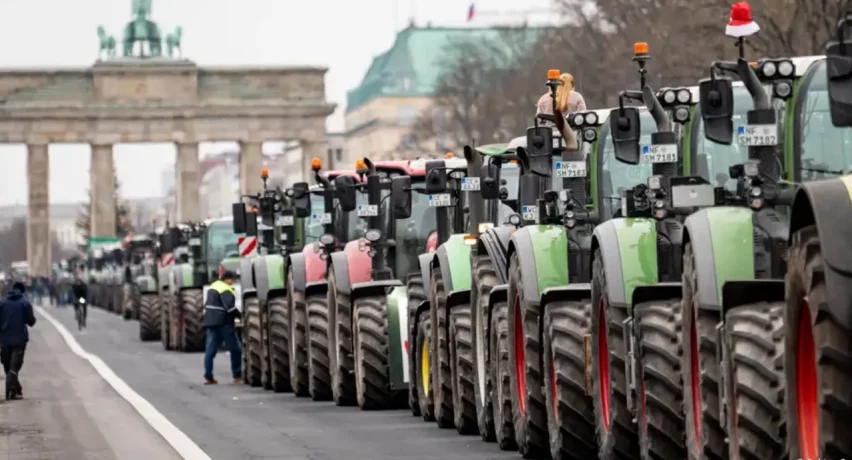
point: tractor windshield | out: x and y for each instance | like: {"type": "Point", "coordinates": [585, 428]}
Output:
{"type": "Point", "coordinates": [510, 176]}
{"type": "Point", "coordinates": [412, 233]}
{"type": "Point", "coordinates": [713, 159]}
{"type": "Point", "coordinates": [313, 223]}
{"type": "Point", "coordinates": [826, 150]}
{"type": "Point", "coordinates": [221, 240]}
{"type": "Point", "coordinates": [616, 175]}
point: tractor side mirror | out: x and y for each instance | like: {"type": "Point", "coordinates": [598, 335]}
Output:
{"type": "Point", "coordinates": [436, 177]}
{"type": "Point", "coordinates": [839, 76]}
{"type": "Point", "coordinates": [344, 191]}
{"type": "Point", "coordinates": [624, 128]}
{"type": "Point", "coordinates": [238, 211]}
{"type": "Point", "coordinates": [489, 189]}
{"type": "Point", "coordinates": [301, 199]}
{"type": "Point", "coordinates": [717, 109]}
{"type": "Point", "coordinates": [540, 150]}
{"type": "Point", "coordinates": [251, 224]}
{"type": "Point", "coordinates": [401, 197]}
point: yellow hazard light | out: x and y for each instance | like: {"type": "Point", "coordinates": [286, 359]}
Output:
{"type": "Point", "coordinates": [449, 155]}
{"type": "Point", "coordinates": [553, 74]}
{"type": "Point", "coordinates": [316, 164]}
{"type": "Point", "coordinates": [360, 165]}
{"type": "Point", "coordinates": [640, 48]}
{"type": "Point", "coordinates": [264, 173]}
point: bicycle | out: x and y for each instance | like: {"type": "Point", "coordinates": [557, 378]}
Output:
{"type": "Point", "coordinates": [81, 314]}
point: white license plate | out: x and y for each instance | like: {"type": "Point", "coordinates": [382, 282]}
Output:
{"type": "Point", "coordinates": [570, 169]}
{"type": "Point", "coordinates": [285, 221]}
{"type": "Point", "coordinates": [470, 183]}
{"type": "Point", "coordinates": [440, 200]}
{"type": "Point", "coordinates": [195, 241]}
{"type": "Point", "coordinates": [322, 218]}
{"type": "Point", "coordinates": [368, 210]}
{"type": "Point", "coordinates": [529, 213]}
{"type": "Point", "coordinates": [757, 135]}
{"type": "Point", "coordinates": [659, 153]}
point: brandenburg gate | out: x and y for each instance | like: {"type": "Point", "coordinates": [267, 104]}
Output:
{"type": "Point", "coordinates": [144, 96]}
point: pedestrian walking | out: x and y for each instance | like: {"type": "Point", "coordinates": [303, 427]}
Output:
{"type": "Point", "coordinates": [220, 311]}
{"type": "Point", "coordinates": [16, 316]}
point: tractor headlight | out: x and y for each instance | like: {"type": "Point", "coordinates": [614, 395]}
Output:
{"type": "Point", "coordinates": [783, 89]}
{"type": "Point", "coordinates": [756, 192]}
{"type": "Point", "coordinates": [570, 223]}
{"type": "Point", "coordinates": [786, 68]}
{"type": "Point", "coordinates": [579, 119]}
{"type": "Point", "coordinates": [655, 183]}
{"type": "Point", "coordinates": [769, 69]}
{"type": "Point", "coordinates": [659, 204]}
{"type": "Point", "coordinates": [484, 227]}
{"type": "Point", "coordinates": [592, 118]}
{"type": "Point", "coordinates": [373, 235]}
{"type": "Point", "coordinates": [669, 96]}
{"type": "Point", "coordinates": [684, 96]}
{"type": "Point", "coordinates": [589, 135]}
{"type": "Point", "coordinates": [563, 196]}
{"type": "Point", "coordinates": [751, 169]}
{"type": "Point", "coordinates": [660, 214]}
{"type": "Point", "coordinates": [681, 115]}
{"type": "Point", "coordinates": [569, 214]}
{"type": "Point", "coordinates": [327, 239]}
{"type": "Point", "coordinates": [289, 192]}
{"type": "Point", "coordinates": [515, 220]}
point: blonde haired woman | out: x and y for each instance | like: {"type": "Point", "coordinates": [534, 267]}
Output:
{"type": "Point", "coordinates": [567, 101]}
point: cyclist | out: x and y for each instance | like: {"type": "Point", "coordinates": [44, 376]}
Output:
{"type": "Point", "coordinates": [81, 293]}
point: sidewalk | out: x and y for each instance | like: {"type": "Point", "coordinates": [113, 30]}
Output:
{"type": "Point", "coordinates": [69, 412]}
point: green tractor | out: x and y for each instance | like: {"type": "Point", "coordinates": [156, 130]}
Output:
{"type": "Point", "coordinates": [818, 317]}
{"type": "Point", "coordinates": [736, 255]}
{"type": "Point", "coordinates": [199, 249]}
{"type": "Point", "coordinates": [141, 293]}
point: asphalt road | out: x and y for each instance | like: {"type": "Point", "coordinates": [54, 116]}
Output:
{"type": "Point", "coordinates": [230, 422]}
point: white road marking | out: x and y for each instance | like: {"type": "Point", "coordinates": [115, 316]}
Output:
{"type": "Point", "coordinates": [181, 443]}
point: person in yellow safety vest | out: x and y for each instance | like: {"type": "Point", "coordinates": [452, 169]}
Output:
{"type": "Point", "coordinates": [220, 310]}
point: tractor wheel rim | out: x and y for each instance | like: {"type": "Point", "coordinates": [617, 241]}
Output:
{"type": "Point", "coordinates": [425, 376]}
{"type": "Point", "coordinates": [520, 358]}
{"type": "Point", "coordinates": [694, 381]}
{"type": "Point", "coordinates": [480, 355]}
{"type": "Point", "coordinates": [807, 394]}
{"type": "Point", "coordinates": [603, 364]}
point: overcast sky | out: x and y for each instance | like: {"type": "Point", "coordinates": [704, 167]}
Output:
{"type": "Point", "coordinates": [343, 35]}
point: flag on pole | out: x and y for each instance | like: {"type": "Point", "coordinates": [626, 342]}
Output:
{"type": "Point", "coordinates": [470, 11]}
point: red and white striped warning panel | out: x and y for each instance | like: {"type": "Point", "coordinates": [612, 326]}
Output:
{"type": "Point", "coordinates": [167, 260]}
{"type": "Point", "coordinates": [248, 245]}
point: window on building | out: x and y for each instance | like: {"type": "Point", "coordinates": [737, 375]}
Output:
{"type": "Point", "coordinates": [407, 115]}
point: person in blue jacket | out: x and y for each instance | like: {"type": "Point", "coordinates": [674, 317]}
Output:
{"type": "Point", "coordinates": [220, 311]}
{"type": "Point", "coordinates": [16, 316]}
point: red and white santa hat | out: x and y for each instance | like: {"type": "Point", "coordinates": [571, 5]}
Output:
{"type": "Point", "coordinates": [741, 23]}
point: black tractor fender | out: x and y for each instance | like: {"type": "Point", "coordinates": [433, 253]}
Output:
{"type": "Point", "coordinates": [495, 242]}
{"type": "Point", "coordinates": [297, 264]}
{"type": "Point", "coordinates": [827, 204]}
{"type": "Point", "coordinates": [316, 288]}
{"type": "Point", "coordinates": [659, 291]}
{"type": "Point", "coordinates": [373, 288]}
{"type": "Point", "coordinates": [260, 277]}
{"type": "Point", "coordinates": [340, 268]}
{"type": "Point", "coordinates": [521, 242]}
{"type": "Point", "coordinates": [499, 293]}
{"type": "Point", "coordinates": [246, 272]}
{"type": "Point", "coordinates": [425, 262]}
{"type": "Point", "coordinates": [441, 262]}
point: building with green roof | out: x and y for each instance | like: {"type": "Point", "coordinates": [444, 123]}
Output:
{"type": "Point", "coordinates": [399, 84]}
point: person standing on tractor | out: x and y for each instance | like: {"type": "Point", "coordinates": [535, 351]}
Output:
{"type": "Point", "coordinates": [220, 311]}
{"type": "Point", "coordinates": [568, 100]}
{"type": "Point", "coordinates": [16, 315]}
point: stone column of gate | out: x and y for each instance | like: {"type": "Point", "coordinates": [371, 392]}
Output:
{"type": "Point", "coordinates": [316, 148]}
{"type": "Point", "coordinates": [251, 162]}
{"type": "Point", "coordinates": [102, 218]}
{"type": "Point", "coordinates": [188, 183]}
{"type": "Point", "coordinates": [38, 210]}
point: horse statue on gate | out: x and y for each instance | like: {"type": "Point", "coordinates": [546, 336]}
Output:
{"type": "Point", "coordinates": [173, 42]}
{"type": "Point", "coordinates": [107, 43]}
{"type": "Point", "coordinates": [141, 29]}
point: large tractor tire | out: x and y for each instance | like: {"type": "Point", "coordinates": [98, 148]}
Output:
{"type": "Point", "coordinates": [298, 341]}
{"type": "Point", "coordinates": [372, 378]}
{"type": "Point", "coordinates": [416, 295]}
{"type": "Point", "coordinates": [462, 372]}
{"type": "Point", "coordinates": [176, 322]}
{"type": "Point", "coordinates": [279, 344]}
{"type": "Point", "coordinates": [618, 436]}
{"type": "Point", "coordinates": [319, 377]}
{"type": "Point", "coordinates": [818, 358]}
{"type": "Point", "coordinates": [701, 369]}
{"type": "Point", "coordinates": [528, 402]}
{"type": "Point", "coordinates": [340, 353]}
{"type": "Point", "coordinates": [254, 374]}
{"type": "Point", "coordinates": [149, 318]}
{"type": "Point", "coordinates": [423, 381]}
{"type": "Point", "coordinates": [164, 310]}
{"type": "Point", "coordinates": [659, 395]}
{"type": "Point", "coordinates": [570, 412]}
{"type": "Point", "coordinates": [501, 396]}
{"type": "Point", "coordinates": [755, 381]}
{"type": "Point", "coordinates": [484, 279]}
{"type": "Point", "coordinates": [439, 354]}
{"type": "Point", "coordinates": [244, 341]}
{"type": "Point", "coordinates": [192, 303]}
{"type": "Point", "coordinates": [266, 349]}
{"type": "Point", "coordinates": [127, 308]}
{"type": "Point", "coordinates": [118, 302]}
